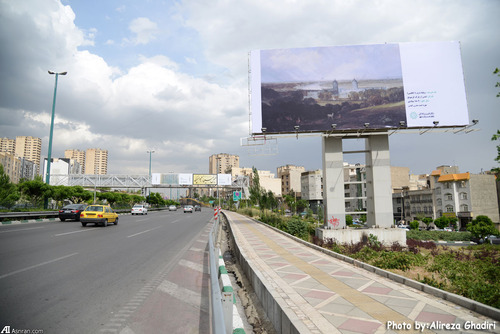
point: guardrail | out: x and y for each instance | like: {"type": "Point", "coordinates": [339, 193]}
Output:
{"type": "Point", "coordinates": [225, 317]}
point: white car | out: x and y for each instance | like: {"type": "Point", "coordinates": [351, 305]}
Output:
{"type": "Point", "coordinates": [188, 208]}
{"type": "Point", "coordinates": [139, 209]}
{"type": "Point", "coordinates": [172, 208]}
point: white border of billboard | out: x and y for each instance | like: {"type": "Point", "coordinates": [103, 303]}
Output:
{"type": "Point", "coordinates": [433, 83]}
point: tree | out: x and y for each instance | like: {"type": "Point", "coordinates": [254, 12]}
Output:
{"type": "Point", "coordinates": [80, 195]}
{"type": "Point", "coordinates": [35, 190]}
{"type": "Point", "coordinates": [495, 137]}
{"type": "Point", "coordinates": [481, 227]}
{"type": "Point", "coordinates": [442, 222]}
{"type": "Point", "coordinates": [255, 190]}
{"type": "Point", "coordinates": [9, 194]}
{"type": "Point", "coordinates": [427, 221]}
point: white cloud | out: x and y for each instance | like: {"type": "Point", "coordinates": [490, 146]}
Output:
{"type": "Point", "coordinates": [144, 30]}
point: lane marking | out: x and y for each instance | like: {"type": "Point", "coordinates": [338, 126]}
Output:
{"type": "Point", "coordinates": [37, 265]}
{"type": "Point", "coordinates": [175, 221]}
{"type": "Point", "coordinates": [22, 229]}
{"type": "Point", "coordinates": [152, 229]}
{"type": "Point", "coordinates": [90, 229]}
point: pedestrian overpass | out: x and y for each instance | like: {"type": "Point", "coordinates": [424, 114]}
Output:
{"type": "Point", "coordinates": [157, 180]}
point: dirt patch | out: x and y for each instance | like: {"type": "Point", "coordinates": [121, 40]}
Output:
{"type": "Point", "coordinates": [254, 312]}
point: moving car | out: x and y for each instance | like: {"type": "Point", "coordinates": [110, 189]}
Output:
{"type": "Point", "coordinates": [197, 208]}
{"type": "Point", "coordinates": [139, 209]}
{"type": "Point", "coordinates": [188, 208]}
{"type": "Point", "coordinates": [98, 215]}
{"type": "Point", "coordinates": [71, 211]}
{"type": "Point", "coordinates": [172, 208]}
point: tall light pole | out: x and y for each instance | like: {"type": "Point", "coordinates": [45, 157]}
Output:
{"type": "Point", "coordinates": [150, 153]}
{"type": "Point", "coordinates": [49, 155]}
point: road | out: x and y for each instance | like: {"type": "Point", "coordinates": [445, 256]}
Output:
{"type": "Point", "coordinates": [148, 274]}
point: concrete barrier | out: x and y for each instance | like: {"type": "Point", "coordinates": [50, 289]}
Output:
{"type": "Point", "coordinates": [231, 315]}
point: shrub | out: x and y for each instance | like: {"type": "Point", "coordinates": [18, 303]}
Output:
{"type": "Point", "coordinates": [298, 228]}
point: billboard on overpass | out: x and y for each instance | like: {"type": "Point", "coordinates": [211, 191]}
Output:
{"type": "Point", "coordinates": [348, 88]}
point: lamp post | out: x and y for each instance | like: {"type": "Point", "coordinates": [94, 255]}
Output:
{"type": "Point", "coordinates": [49, 155]}
{"type": "Point", "coordinates": [150, 153]}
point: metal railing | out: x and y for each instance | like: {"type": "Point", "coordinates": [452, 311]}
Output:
{"type": "Point", "coordinates": [218, 324]}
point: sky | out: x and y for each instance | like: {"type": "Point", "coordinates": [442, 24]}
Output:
{"type": "Point", "coordinates": [172, 76]}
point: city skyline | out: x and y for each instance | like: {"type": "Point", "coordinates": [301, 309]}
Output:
{"type": "Point", "coordinates": [173, 77]}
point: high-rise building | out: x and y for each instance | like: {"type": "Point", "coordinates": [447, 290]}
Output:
{"type": "Point", "coordinates": [290, 179]}
{"type": "Point", "coordinates": [96, 161]}
{"type": "Point", "coordinates": [29, 148]}
{"type": "Point", "coordinates": [11, 166]}
{"type": "Point", "coordinates": [26, 147]}
{"type": "Point", "coordinates": [77, 155]}
{"type": "Point", "coordinates": [222, 163]}
{"type": "Point", "coordinates": [7, 145]}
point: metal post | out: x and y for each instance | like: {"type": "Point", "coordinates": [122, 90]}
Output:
{"type": "Point", "coordinates": [49, 155]}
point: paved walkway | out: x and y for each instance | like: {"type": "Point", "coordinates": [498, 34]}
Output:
{"type": "Point", "coordinates": [327, 295]}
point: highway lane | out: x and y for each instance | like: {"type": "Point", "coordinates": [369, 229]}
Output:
{"type": "Point", "coordinates": [65, 278]}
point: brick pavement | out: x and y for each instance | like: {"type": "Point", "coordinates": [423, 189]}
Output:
{"type": "Point", "coordinates": [326, 295]}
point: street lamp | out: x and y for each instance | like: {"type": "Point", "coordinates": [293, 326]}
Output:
{"type": "Point", "coordinates": [49, 156]}
{"type": "Point", "coordinates": [150, 153]}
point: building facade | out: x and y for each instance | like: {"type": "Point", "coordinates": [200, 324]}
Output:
{"type": "Point", "coordinates": [11, 166]}
{"type": "Point", "coordinates": [222, 163]}
{"type": "Point", "coordinates": [28, 150]}
{"type": "Point", "coordinates": [290, 176]}
{"type": "Point", "coordinates": [96, 161]}
{"type": "Point", "coordinates": [77, 155]}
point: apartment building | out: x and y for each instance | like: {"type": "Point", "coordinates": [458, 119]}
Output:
{"type": "Point", "coordinates": [96, 161]}
{"type": "Point", "coordinates": [28, 150]}
{"type": "Point", "coordinates": [222, 163]}
{"type": "Point", "coordinates": [77, 155]}
{"type": "Point", "coordinates": [7, 145]}
{"type": "Point", "coordinates": [290, 176]}
{"type": "Point", "coordinates": [447, 192]}
{"type": "Point", "coordinates": [267, 180]}
{"type": "Point", "coordinates": [11, 166]}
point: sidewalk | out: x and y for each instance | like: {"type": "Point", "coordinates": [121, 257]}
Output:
{"type": "Point", "coordinates": [321, 294]}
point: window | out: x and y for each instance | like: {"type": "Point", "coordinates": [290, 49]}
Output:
{"type": "Point", "coordinates": [463, 195]}
{"type": "Point", "coordinates": [438, 191]}
{"type": "Point", "coordinates": [449, 208]}
{"type": "Point", "coordinates": [447, 185]}
{"type": "Point", "coordinates": [439, 202]}
{"type": "Point", "coordinates": [463, 184]}
{"type": "Point", "coordinates": [448, 197]}
{"type": "Point", "coordinates": [464, 208]}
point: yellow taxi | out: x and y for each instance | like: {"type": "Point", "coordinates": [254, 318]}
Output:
{"type": "Point", "coordinates": [98, 215]}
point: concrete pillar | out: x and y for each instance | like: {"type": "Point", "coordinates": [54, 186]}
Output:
{"type": "Point", "coordinates": [378, 182]}
{"type": "Point", "coordinates": [333, 183]}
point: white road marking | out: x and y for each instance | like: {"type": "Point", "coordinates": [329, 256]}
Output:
{"type": "Point", "coordinates": [133, 235]}
{"type": "Point", "coordinates": [37, 265]}
{"type": "Point", "coordinates": [22, 229]}
{"type": "Point", "coordinates": [175, 221]}
{"type": "Point", "coordinates": [85, 230]}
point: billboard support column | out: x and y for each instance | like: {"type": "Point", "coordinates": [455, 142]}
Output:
{"type": "Point", "coordinates": [333, 183]}
{"type": "Point", "coordinates": [378, 182]}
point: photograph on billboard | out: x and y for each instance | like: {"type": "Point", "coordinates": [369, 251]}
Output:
{"type": "Point", "coordinates": [339, 88]}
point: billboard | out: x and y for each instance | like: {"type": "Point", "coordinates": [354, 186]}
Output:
{"type": "Point", "coordinates": [348, 88]}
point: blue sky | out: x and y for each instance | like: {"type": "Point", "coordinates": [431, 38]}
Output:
{"type": "Point", "coordinates": [173, 75]}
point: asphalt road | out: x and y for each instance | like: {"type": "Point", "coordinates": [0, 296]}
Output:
{"type": "Point", "coordinates": [148, 274]}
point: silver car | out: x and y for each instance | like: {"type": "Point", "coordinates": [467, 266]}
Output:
{"type": "Point", "coordinates": [139, 209]}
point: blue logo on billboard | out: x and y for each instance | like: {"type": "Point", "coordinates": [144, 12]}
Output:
{"type": "Point", "coordinates": [414, 115]}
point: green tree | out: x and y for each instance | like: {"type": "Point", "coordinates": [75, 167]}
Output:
{"type": "Point", "coordinates": [427, 221]}
{"type": "Point", "coordinates": [442, 222]}
{"type": "Point", "coordinates": [35, 190]}
{"type": "Point", "coordinates": [481, 227]}
{"type": "Point", "coordinates": [302, 204]}
{"type": "Point", "coordinates": [60, 193]}
{"type": "Point", "coordinates": [255, 190]}
{"type": "Point", "coordinates": [290, 202]}
{"type": "Point", "coordinates": [9, 194]}
{"type": "Point", "coordinates": [495, 137]}
{"type": "Point", "coordinates": [80, 195]}
{"type": "Point", "coordinates": [414, 225]}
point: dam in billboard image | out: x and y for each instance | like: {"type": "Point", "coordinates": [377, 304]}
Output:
{"type": "Point", "coordinates": [347, 88]}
